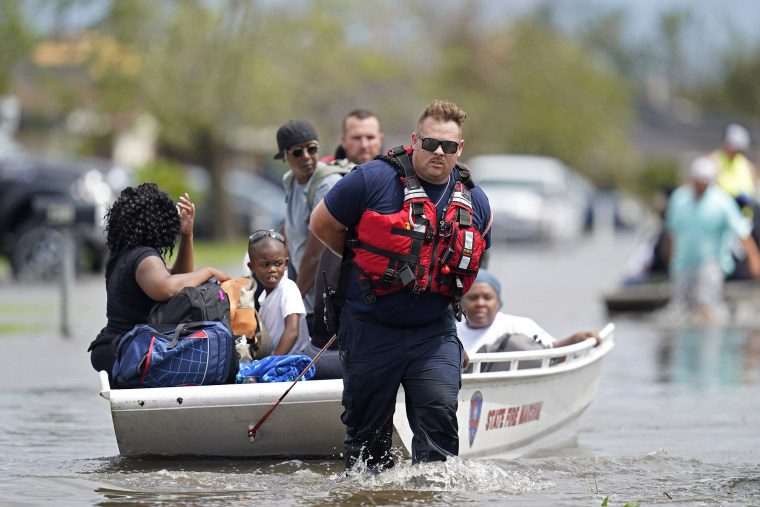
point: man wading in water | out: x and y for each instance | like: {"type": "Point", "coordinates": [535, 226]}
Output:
{"type": "Point", "coordinates": [414, 227]}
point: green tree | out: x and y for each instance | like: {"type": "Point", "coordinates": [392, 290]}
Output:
{"type": "Point", "coordinates": [528, 88]}
{"type": "Point", "coordinates": [206, 69]}
{"type": "Point", "coordinates": [18, 39]}
{"type": "Point", "coordinates": [603, 36]}
{"type": "Point", "coordinates": [673, 25]}
{"type": "Point", "coordinates": [735, 90]}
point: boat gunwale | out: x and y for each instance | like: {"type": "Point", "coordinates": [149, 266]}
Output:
{"type": "Point", "coordinates": [325, 391]}
{"type": "Point", "coordinates": [576, 356]}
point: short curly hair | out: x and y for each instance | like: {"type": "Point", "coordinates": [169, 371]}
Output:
{"type": "Point", "coordinates": [443, 111]}
{"type": "Point", "coordinates": [142, 216]}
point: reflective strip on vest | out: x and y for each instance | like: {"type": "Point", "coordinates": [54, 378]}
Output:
{"type": "Point", "coordinates": [414, 194]}
{"type": "Point", "coordinates": [469, 243]}
{"type": "Point", "coordinates": [459, 197]}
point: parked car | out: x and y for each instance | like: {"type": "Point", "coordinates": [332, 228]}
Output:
{"type": "Point", "coordinates": [254, 201]}
{"type": "Point", "coordinates": [41, 200]}
{"type": "Point", "coordinates": [627, 212]}
{"type": "Point", "coordinates": [257, 201]}
{"type": "Point", "coordinates": [533, 197]}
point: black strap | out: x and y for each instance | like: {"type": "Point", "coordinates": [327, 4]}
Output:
{"type": "Point", "coordinates": [389, 275]}
{"type": "Point", "coordinates": [409, 233]}
{"type": "Point", "coordinates": [410, 179]}
{"type": "Point", "coordinates": [368, 291]}
{"type": "Point", "coordinates": [464, 216]}
{"type": "Point", "coordinates": [406, 163]}
{"type": "Point", "coordinates": [385, 253]}
{"type": "Point", "coordinates": [346, 269]}
{"type": "Point", "coordinates": [464, 174]}
{"type": "Point", "coordinates": [458, 292]}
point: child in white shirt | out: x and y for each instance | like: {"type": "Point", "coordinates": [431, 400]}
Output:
{"type": "Point", "coordinates": [282, 309]}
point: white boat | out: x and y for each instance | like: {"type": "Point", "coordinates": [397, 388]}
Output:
{"type": "Point", "coordinates": [501, 414]}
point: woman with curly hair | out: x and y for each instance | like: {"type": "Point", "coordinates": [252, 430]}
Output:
{"type": "Point", "coordinates": [142, 227]}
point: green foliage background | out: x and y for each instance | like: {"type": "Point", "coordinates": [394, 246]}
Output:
{"type": "Point", "coordinates": [207, 69]}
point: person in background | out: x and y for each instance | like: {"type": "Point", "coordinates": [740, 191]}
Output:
{"type": "Point", "coordinates": [141, 230]}
{"type": "Point", "coordinates": [736, 174]}
{"type": "Point", "coordinates": [280, 305]}
{"type": "Point", "coordinates": [361, 142]}
{"type": "Point", "coordinates": [701, 217]}
{"type": "Point", "coordinates": [298, 145]}
{"type": "Point", "coordinates": [396, 217]}
{"type": "Point", "coordinates": [486, 329]}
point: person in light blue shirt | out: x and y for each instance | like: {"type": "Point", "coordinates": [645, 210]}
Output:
{"type": "Point", "coordinates": [701, 220]}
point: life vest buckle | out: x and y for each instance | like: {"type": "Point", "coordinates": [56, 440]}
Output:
{"type": "Point", "coordinates": [368, 293]}
{"type": "Point", "coordinates": [444, 229]}
{"type": "Point", "coordinates": [458, 288]}
{"type": "Point", "coordinates": [369, 296]}
{"type": "Point", "coordinates": [412, 183]}
{"type": "Point", "coordinates": [416, 290]}
{"type": "Point", "coordinates": [458, 311]}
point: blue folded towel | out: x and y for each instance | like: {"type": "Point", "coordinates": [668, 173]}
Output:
{"type": "Point", "coordinates": [276, 369]}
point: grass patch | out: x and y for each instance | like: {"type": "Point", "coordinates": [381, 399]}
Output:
{"type": "Point", "coordinates": [218, 254]}
{"type": "Point", "coordinates": [24, 318]}
{"type": "Point", "coordinates": [5, 269]}
{"type": "Point", "coordinates": [13, 309]}
{"type": "Point", "coordinates": [16, 328]}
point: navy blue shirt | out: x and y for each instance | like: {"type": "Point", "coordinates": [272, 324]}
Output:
{"type": "Point", "coordinates": [376, 186]}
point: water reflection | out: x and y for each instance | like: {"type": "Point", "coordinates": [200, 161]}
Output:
{"type": "Point", "coordinates": [708, 357]}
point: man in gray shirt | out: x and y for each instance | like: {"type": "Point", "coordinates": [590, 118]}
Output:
{"type": "Point", "coordinates": [306, 183]}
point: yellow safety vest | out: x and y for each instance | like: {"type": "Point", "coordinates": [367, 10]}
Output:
{"type": "Point", "coordinates": [735, 176]}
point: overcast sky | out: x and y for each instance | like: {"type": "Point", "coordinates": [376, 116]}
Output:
{"type": "Point", "coordinates": [644, 14]}
{"type": "Point", "coordinates": [714, 27]}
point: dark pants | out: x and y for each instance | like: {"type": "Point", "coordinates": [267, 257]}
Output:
{"type": "Point", "coordinates": [102, 358]}
{"type": "Point", "coordinates": [427, 361]}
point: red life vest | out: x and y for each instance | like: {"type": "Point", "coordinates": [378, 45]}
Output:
{"type": "Point", "coordinates": [395, 251]}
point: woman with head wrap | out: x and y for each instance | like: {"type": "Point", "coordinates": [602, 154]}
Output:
{"type": "Point", "coordinates": [486, 329]}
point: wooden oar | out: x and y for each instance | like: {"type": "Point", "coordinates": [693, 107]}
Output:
{"type": "Point", "coordinates": [252, 429]}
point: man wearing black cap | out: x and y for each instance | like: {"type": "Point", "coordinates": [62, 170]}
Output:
{"type": "Point", "coordinates": [298, 145]}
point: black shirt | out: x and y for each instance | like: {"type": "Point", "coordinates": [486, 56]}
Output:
{"type": "Point", "coordinates": [127, 305]}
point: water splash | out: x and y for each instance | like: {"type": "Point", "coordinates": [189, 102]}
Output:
{"type": "Point", "coordinates": [453, 475]}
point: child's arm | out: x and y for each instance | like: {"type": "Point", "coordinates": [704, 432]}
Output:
{"type": "Point", "coordinates": [289, 335]}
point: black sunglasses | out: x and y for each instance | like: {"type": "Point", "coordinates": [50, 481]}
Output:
{"type": "Point", "coordinates": [257, 235]}
{"type": "Point", "coordinates": [311, 150]}
{"type": "Point", "coordinates": [431, 144]}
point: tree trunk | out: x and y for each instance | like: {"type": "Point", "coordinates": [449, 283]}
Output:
{"type": "Point", "coordinates": [224, 226]}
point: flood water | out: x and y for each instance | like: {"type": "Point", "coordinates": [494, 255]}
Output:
{"type": "Point", "coordinates": [676, 420]}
